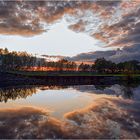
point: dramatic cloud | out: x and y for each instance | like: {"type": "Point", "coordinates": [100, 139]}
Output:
{"type": "Point", "coordinates": [30, 18]}
{"type": "Point", "coordinates": [114, 23]}
{"type": "Point", "coordinates": [105, 20]}
{"type": "Point", "coordinates": [126, 32]}
{"type": "Point", "coordinates": [92, 17]}
{"type": "Point", "coordinates": [104, 118]}
{"type": "Point", "coordinates": [119, 55]}
{"type": "Point", "coordinates": [29, 122]}
{"type": "Point", "coordinates": [15, 19]}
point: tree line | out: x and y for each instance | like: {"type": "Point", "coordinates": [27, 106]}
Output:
{"type": "Point", "coordinates": [24, 61]}
{"type": "Point", "coordinates": [16, 93]}
{"type": "Point", "coordinates": [101, 65]}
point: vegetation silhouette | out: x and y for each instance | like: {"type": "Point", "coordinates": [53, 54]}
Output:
{"type": "Point", "coordinates": [16, 93]}
{"type": "Point", "coordinates": [13, 93]}
{"type": "Point", "coordinates": [27, 62]}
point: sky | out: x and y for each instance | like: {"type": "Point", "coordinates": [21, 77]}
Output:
{"type": "Point", "coordinates": [82, 30]}
{"type": "Point", "coordinates": [59, 40]}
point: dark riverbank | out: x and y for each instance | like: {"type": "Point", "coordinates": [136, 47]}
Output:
{"type": "Point", "coordinates": [8, 79]}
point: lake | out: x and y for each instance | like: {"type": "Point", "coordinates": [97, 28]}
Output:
{"type": "Point", "coordinates": [78, 111]}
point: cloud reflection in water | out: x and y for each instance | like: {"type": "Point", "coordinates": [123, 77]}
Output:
{"type": "Point", "coordinates": [108, 116]}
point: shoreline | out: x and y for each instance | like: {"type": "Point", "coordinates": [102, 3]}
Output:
{"type": "Point", "coordinates": [8, 79]}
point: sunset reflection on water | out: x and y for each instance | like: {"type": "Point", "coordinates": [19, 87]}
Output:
{"type": "Point", "coordinates": [70, 112]}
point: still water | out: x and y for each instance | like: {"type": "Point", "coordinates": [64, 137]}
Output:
{"type": "Point", "coordinates": [83, 111]}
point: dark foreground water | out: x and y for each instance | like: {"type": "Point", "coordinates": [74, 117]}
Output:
{"type": "Point", "coordinates": [81, 111]}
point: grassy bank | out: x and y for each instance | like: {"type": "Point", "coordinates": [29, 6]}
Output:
{"type": "Point", "coordinates": [14, 78]}
{"type": "Point", "coordinates": [65, 73]}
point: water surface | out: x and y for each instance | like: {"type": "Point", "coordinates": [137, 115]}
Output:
{"type": "Point", "coordinates": [56, 100]}
{"type": "Point", "coordinates": [82, 111]}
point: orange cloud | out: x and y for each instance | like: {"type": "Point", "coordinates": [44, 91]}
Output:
{"type": "Point", "coordinates": [109, 21]}
{"type": "Point", "coordinates": [79, 26]}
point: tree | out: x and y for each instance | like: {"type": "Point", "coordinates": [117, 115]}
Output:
{"type": "Point", "coordinates": [84, 67]}
{"type": "Point", "coordinates": [100, 65]}
{"type": "Point", "coordinates": [129, 66]}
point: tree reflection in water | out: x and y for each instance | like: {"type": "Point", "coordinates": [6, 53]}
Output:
{"type": "Point", "coordinates": [128, 92]}
{"type": "Point", "coordinates": [14, 93]}
{"type": "Point", "coordinates": [107, 117]}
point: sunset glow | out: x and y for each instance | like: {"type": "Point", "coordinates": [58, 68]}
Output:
{"type": "Point", "coordinates": [70, 69]}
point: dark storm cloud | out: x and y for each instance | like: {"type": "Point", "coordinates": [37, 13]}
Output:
{"type": "Point", "coordinates": [126, 32]}
{"type": "Point", "coordinates": [126, 54]}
